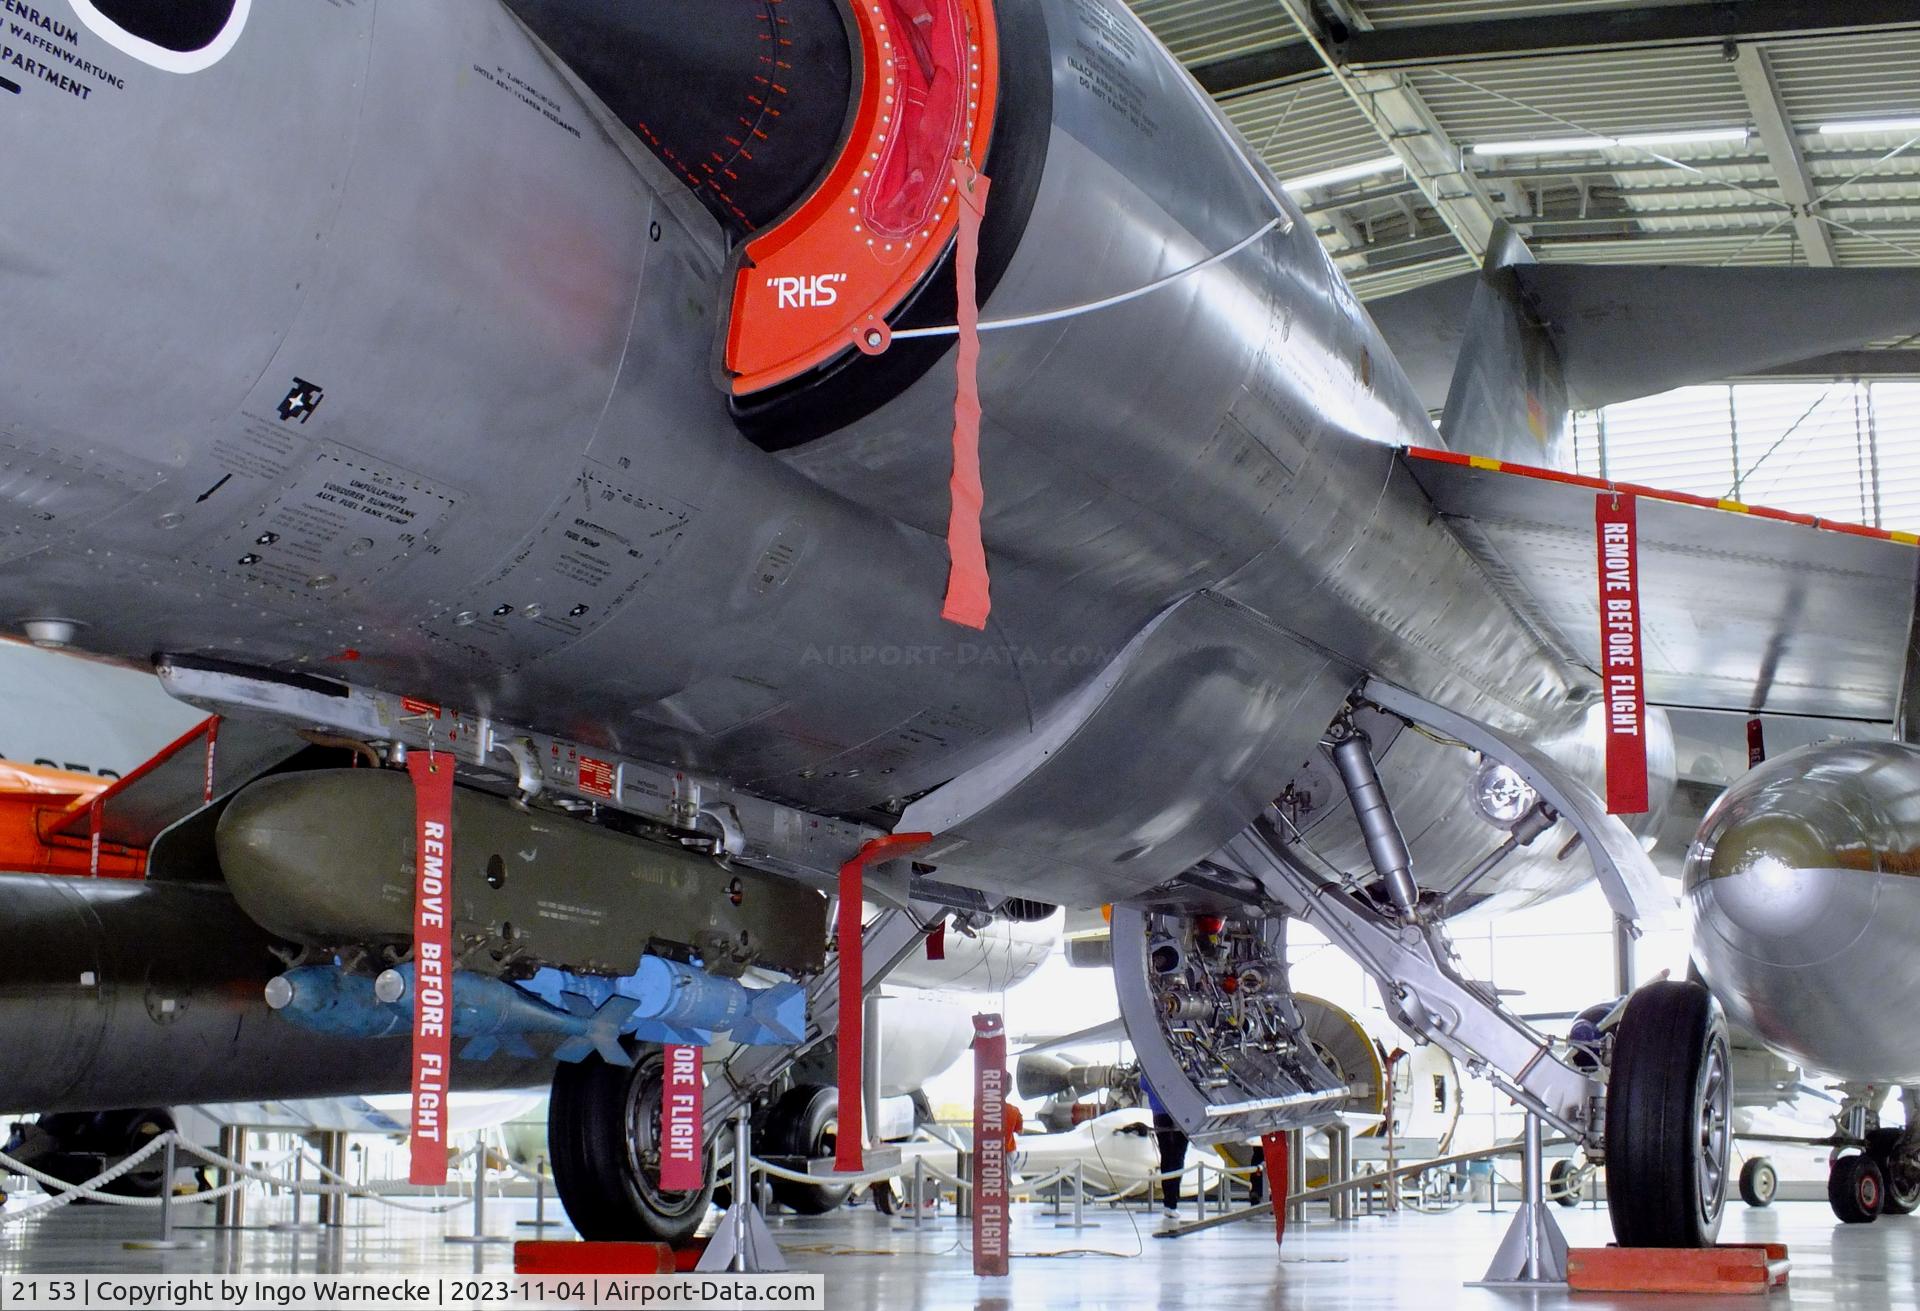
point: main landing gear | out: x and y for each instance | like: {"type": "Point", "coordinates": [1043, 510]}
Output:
{"type": "Point", "coordinates": [1649, 1098]}
{"type": "Point", "coordinates": [1669, 1118]}
{"type": "Point", "coordinates": [604, 1139]}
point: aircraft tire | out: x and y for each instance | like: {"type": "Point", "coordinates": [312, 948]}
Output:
{"type": "Point", "coordinates": [802, 1123]}
{"type": "Point", "coordinates": [1903, 1178]}
{"type": "Point", "coordinates": [1759, 1181]}
{"type": "Point", "coordinates": [1856, 1189]}
{"type": "Point", "coordinates": [603, 1138]}
{"type": "Point", "coordinates": [1669, 1118]}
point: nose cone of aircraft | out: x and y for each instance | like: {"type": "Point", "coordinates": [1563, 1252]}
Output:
{"type": "Point", "coordinates": [1802, 886]}
{"type": "Point", "coordinates": [1781, 871]}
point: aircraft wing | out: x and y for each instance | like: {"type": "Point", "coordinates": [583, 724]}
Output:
{"type": "Point", "coordinates": [1742, 608]}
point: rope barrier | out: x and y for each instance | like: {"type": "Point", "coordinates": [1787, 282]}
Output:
{"type": "Point", "coordinates": [65, 1192]}
{"type": "Point", "coordinates": [333, 1183]}
{"type": "Point", "coordinates": [69, 1192]}
{"type": "Point", "coordinates": [353, 1190]}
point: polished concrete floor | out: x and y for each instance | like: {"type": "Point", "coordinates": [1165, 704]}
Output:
{"type": "Point", "coordinates": [1408, 1261]}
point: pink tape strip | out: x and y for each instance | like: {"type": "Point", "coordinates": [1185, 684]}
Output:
{"type": "Point", "coordinates": [968, 598]}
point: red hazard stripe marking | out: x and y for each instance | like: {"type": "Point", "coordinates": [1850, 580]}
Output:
{"type": "Point", "coordinates": [432, 957]}
{"type": "Point", "coordinates": [968, 598]}
{"type": "Point", "coordinates": [1659, 494]}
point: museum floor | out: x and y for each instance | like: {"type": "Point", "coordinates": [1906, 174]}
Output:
{"type": "Point", "coordinates": [1409, 1260]}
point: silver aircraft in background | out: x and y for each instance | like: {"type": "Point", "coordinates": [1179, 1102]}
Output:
{"type": "Point", "coordinates": [568, 390]}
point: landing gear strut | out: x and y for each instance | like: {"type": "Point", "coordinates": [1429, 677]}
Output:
{"type": "Point", "coordinates": [1664, 1077]}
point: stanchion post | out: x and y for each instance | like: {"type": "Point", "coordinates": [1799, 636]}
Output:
{"type": "Point", "coordinates": [333, 1155]}
{"type": "Point", "coordinates": [166, 1198]}
{"type": "Point", "coordinates": [166, 1242]}
{"type": "Point", "coordinates": [480, 1189]}
{"type": "Point", "coordinates": [1296, 1175]}
{"type": "Point", "coordinates": [230, 1209]}
{"type": "Point", "coordinates": [742, 1186]}
{"type": "Point", "coordinates": [479, 1235]}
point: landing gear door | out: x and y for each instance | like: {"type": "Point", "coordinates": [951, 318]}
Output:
{"type": "Point", "coordinates": [1211, 1016]}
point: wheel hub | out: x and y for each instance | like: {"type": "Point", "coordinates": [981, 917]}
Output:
{"type": "Point", "coordinates": [1715, 1136]}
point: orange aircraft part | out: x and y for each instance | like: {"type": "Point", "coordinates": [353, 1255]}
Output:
{"type": "Point", "coordinates": [824, 279]}
{"type": "Point", "coordinates": [1750, 1268]}
{"type": "Point", "coordinates": [34, 803]}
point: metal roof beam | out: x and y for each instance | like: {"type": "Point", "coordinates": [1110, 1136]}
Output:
{"type": "Point", "coordinates": [1907, 228]}
{"type": "Point", "coordinates": [1693, 22]}
{"type": "Point", "coordinates": [1408, 128]}
{"type": "Point", "coordinates": [1412, 131]}
{"type": "Point", "coordinates": [1783, 149]}
{"type": "Point", "coordinates": [1357, 199]}
{"type": "Point", "coordinates": [1834, 160]}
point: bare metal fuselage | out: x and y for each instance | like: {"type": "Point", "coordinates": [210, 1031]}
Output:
{"type": "Point", "coordinates": [344, 354]}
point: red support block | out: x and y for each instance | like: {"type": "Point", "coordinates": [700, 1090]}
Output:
{"type": "Point", "coordinates": [1748, 1268]}
{"type": "Point", "coordinates": [577, 1258]}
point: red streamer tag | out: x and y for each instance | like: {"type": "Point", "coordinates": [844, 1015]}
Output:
{"type": "Point", "coordinates": [968, 599]}
{"type": "Point", "coordinates": [1622, 671]}
{"type": "Point", "coordinates": [1274, 1155]}
{"type": "Point", "coordinates": [1756, 743]}
{"type": "Point", "coordinates": [937, 942]}
{"type": "Point", "coordinates": [682, 1163]}
{"type": "Point", "coordinates": [989, 1145]}
{"type": "Point", "coordinates": [432, 955]}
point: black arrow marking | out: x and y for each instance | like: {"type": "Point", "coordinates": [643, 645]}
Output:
{"type": "Point", "coordinates": [211, 490]}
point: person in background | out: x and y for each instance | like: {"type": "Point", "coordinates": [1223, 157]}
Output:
{"type": "Point", "coordinates": [1173, 1155]}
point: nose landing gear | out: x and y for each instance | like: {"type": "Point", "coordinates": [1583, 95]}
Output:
{"type": "Point", "coordinates": [1856, 1189]}
{"type": "Point", "coordinates": [1897, 1153]}
{"type": "Point", "coordinates": [1882, 1177]}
